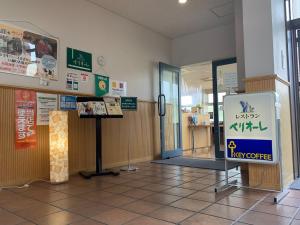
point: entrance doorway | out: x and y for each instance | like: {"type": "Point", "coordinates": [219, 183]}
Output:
{"type": "Point", "coordinates": [294, 48]}
{"type": "Point", "coordinates": [293, 44]}
{"type": "Point", "coordinates": [203, 87]}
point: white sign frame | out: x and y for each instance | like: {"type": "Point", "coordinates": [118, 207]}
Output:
{"type": "Point", "coordinates": [267, 106]}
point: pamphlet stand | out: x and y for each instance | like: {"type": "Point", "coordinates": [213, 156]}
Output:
{"type": "Point", "coordinates": [129, 104]}
{"type": "Point", "coordinates": [129, 167]}
{"type": "Point", "coordinates": [99, 171]}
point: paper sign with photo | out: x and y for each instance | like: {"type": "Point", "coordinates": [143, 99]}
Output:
{"type": "Point", "coordinates": [26, 53]}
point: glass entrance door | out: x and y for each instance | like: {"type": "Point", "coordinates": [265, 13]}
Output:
{"type": "Point", "coordinates": [224, 82]}
{"type": "Point", "coordinates": [169, 111]}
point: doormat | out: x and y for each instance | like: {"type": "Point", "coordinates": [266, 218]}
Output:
{"type": "Point", "coordinates": [295, 185]}
{"type": "Point", "coordinates": [218, 164]}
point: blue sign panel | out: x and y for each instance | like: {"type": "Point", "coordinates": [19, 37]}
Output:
{"type": "Point", "coordinates": [67, 102]}
{"type": "Point", "coordinates": [250, 149]}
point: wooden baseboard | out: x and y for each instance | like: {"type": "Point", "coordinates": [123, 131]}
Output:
{"type": "Point", "coordinates": [125, 163]}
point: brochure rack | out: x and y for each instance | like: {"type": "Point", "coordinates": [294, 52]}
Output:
{"type": "Point", "coordinates": [99, 171]}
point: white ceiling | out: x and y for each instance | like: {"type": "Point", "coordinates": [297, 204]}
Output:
{"type": "Point", "coordinates": [200, 74]}
{"type": "Point", "coordinates": [197, 72]}
{"type": "Point", "coordinates": [171, 19]}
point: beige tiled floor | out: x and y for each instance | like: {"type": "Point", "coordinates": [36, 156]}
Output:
{"type": "Point", "coordinates": [153, 195]}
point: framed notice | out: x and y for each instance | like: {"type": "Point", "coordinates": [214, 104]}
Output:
{"type": "Point", "coordinates": [67, 102]}
{"type": "Point", "coordinates": [25, 110]}
{"type": "Point", "coordinates": [79, 60]}
{"type": "Point", "coordinates": [129, 103]}
{"type": "Point", "coordinates": [251, 127]}
{"type": "Point", "coordinates": [45, 104]}
{"type": "Point", "coordinates": [26, 53]}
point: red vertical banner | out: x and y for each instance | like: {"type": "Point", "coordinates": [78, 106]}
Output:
{"type": "Point", "coordinates": [25, 119]}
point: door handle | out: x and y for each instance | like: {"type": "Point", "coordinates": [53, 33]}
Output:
{"type": "Point", "coordinates": [158, 105]}
{"type": "Point", "coordinates": [165, 108]}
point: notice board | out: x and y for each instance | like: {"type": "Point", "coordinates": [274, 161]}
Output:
{"type": "Point", "coordinates": [251, 127]}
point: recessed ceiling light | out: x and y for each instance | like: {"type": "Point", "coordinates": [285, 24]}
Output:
{"type": "Point", "coordinates": [182, 1]}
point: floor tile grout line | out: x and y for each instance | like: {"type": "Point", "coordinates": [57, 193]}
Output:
{"type": "Point", "coordinates": [163, 205]}
{"type": "Point", "coordinates": [51, 204]}
{"type": "Point", "coordinates": [76, 195]}
{"type": "Point", "coordinates": [141, 214]}
{"type": "Point", "coordinates": [26, 219]}
{"type": "Point", "coordinates": [294, 216]}
{"type": "Point", "coordinates": [256, 200]}
{"type": "Point", "coordinates": [201, 211]}
{"type": "Point", "coordinates": [120, 207]}
{"type": "Point", "coordinates": [250, 209]}
{"type": "Point", "coordinates": [273, 214]}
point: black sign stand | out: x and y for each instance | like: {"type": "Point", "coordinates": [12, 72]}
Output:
{"type": "Point", "coordinates": [99, 171]}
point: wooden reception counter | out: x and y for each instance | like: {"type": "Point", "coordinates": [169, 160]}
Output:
{"type": "Point", "coordinates": [202, 132]}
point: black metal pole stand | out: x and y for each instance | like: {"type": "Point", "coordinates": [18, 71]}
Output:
{"type": "Point", "coordinates": [99, 171]}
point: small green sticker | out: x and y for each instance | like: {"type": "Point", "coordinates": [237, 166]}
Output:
{"type": "Point", "coordinates": [101, 85]}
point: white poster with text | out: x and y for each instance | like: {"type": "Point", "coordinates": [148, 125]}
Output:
{"type": "Point", "coordinates": [45, 103]}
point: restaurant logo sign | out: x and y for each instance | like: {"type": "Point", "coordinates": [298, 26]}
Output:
{"type": "Point", "coordinates": [251, 128]}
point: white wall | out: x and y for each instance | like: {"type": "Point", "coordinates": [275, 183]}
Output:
{"type": "Point", "coordinates": [217, 43]}
{"type": "Point", "coordinates": [279, 39]}
{"type": "Point", "coordinates": [130, 50]}
{"type": "Point", "coordinates": [264, 38]}
{"type": "Point", "coordinates": [239, 37]}
{"type": "Point", "coordinates": [258, 37]}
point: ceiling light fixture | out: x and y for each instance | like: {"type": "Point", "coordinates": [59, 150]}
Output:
{"type": "Point", "coordinates": [182, 1]}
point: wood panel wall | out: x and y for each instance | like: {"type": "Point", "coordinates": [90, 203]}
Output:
{"type": "Point", "coordinates": [135, 132]}
{"type": "Point", "coordinates": [17, 167]}
{"type": "Point", "coordinates": [268, 176]}
{"type": "Point", "coordinates": [170, 127]}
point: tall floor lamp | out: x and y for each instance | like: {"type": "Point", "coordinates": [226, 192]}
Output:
{"type": "Point", "coordinates": [58, 140]}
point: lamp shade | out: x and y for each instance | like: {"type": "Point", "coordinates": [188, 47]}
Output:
{"type": "Point", "coordinates": [58, 140]}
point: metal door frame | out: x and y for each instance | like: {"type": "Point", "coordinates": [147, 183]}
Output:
{"type": "Point", "coordinates": [218, 154]}
{"type": "Point", "coordinates": [292, 27]}
{"type": "Point", "coordinates": [178, 151]}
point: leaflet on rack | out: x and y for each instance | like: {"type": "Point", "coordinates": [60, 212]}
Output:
{"type": "Point", "coordinates": [113, 106]}
{"type": "Point", "coordinates": [91, 108]}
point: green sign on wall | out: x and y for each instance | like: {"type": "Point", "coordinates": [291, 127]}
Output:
{"type": "Point", "coordinates": [79, 60]}
{"type": "Point", "coordinates": [101, 85]}
{"type": "Point", "coordinates": [129, 103]}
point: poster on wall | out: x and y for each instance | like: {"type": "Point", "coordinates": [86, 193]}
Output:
{"type": "Point", "coordinates": [72, 81]}
{"type": "Point", "coordinates": [84, 77]}
{"type": "Point", "coordinates": [67, 102]}
{"type": "Point", "coordinates": [79, 60]}
{"type": "Point", "coordinates": [26, 53]}
{"type": "Point", "coordinates": [101, 85]}
{"type": "Point", "coordinates": [45, 104]}
{"type": "Point", "coordinates": [118, 88]}
{"type": "Point", "coordinates": [25, 109]}
{"type": "Point", "coordinates": [251, 132]}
